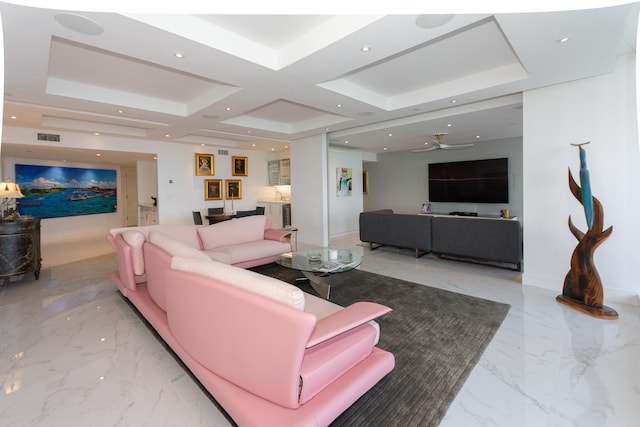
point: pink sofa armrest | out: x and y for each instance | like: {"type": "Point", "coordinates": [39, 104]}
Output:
{"type": "Point", "coordinates": [276, 234]}
{"type": "Point", "coordinates": [125, 265]}
{"type": "Point", "coordinates": [344, 320]}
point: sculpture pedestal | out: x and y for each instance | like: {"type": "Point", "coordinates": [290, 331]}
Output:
{"type": "Point", "coordinates": [601, 313]}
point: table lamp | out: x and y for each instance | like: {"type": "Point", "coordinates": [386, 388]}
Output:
{"type": "Point", "coordinates": [9, 191]}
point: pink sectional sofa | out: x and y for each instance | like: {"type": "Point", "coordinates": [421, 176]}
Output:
{"type": "Point", "coordinates": [270, 354]}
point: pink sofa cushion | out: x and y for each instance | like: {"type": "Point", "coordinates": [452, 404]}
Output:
{"type": "Point", "coordinates": [245, 279]}
{"type": "Point", "coordinates": [242, 252]}
{"type": "Point", "coordinates": [135, 240]}
{"type": "Point", "coordinates": [175, 247]}
{"type": "Point", "coordinates": [237, 230]}
{"type": "Point", "coordinates": [184, 233]}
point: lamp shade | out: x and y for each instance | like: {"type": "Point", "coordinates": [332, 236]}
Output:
{"type": "Point", "coordinates": [10, 190]}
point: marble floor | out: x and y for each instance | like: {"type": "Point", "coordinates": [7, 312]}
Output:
{"type": "Point", "coordinates": [72, 352]}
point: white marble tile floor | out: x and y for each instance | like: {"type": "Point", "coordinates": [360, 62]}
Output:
{"type": "Point", "coordinates": [73, 352]}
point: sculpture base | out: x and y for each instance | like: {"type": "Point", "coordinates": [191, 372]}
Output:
{"type": "Point", "coordinates": [601, 313]}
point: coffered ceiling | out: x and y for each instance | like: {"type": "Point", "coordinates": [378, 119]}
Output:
{"type": "Point", "coordinates": [375, 83]}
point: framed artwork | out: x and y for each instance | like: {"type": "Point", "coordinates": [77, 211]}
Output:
{"type": "Point", "coordinates": [234, 189]}
{"type": "Point", "coordinates": [57, 191]}
{"type": "Point", "coordinates": [365, 182]}
{"type": "Point", "coordinates": [240, 166]}
{"type": "Point", "coordinates": [213, 189]}
{"type": "Point", "coordinates": [343, 182]}
{"type": "Point", "coordinates": [204, 164]}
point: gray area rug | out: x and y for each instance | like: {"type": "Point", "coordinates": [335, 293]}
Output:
{"type": "Point", "coordinates": [436, 336]}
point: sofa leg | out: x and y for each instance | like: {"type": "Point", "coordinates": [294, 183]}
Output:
{"type": "Point", "coordinates": [420, 253]}
{"type": "Point", "coordinates": [373, 246]}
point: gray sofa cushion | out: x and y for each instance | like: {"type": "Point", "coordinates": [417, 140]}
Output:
{"type": "Point", "coordinates": [489, 239]}
{"type": "Point", "coordinates": [401, 230]}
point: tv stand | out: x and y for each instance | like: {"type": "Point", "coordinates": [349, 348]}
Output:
{"type": "Point", "coordinates": [458, 213]}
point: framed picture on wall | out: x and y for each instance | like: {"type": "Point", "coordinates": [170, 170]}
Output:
{"type": "Point", "coordinates": [365, 182]}
{"type": "Point", "coordinates": [240, 166]}
{"type": "Point", "coordinates": [213, 189]}
{"type": "Point", "coordinates": [234, 189]}
{"type": "Point", "coordinates": [204, 164]}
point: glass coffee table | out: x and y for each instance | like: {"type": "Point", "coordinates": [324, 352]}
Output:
{"type": "Point", "coordinates": [321, 266]}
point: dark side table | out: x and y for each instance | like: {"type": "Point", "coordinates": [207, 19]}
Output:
{"type": "Point", "coordinates": [19, 247]}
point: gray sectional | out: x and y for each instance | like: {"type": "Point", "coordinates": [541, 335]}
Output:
{"type": "Point", "coordinates": [475, 238]}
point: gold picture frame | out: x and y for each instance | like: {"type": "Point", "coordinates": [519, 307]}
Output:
{"type": "Point", "coordinates": [233, 189]}
{"type": "Point", "coordinates": [213, 189]}
{"type": "Point", "coordinates": [204, 164]}
{"type": "Point", "coordinates": [365, 182]}
{"type": "Point", "coordinates": [239, 166]}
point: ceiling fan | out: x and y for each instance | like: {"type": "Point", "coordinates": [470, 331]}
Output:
{"type": "Point", "coordinates": [437, 144]}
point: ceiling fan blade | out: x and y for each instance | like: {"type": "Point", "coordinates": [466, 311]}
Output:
{"type": "Point", "coordinates": [420, 150]}
{"type": "Point", "coordinates": [455, 146]}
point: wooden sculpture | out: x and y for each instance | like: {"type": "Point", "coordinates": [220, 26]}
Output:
{"type": "Point", "coordinates": [582, 285]}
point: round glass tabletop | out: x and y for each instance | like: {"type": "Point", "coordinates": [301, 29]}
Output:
{"type": "Point", "coordinates": [320, 260]}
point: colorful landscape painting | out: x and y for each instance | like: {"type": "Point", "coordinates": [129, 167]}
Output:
{"type": "Point", "coordinates": [56, 191]}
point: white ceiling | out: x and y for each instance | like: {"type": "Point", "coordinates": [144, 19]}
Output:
{"type": "Point", "coordinates": [265, 80]}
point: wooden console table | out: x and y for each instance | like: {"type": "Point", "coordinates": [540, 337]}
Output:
{"type": "Point", "coordinates": [19, 247]}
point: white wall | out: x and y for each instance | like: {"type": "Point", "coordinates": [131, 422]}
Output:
{"type": "Point", "coordinates": [399, 180]}
{"type": "Point", "coordinates": [147, 180]}
{"type": "Point", "coordinates": [309, 207]}
{"type": "Point", "coordinates": [601, 110]}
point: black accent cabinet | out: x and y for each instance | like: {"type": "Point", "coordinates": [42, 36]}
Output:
{"type": "Point", "coordinates": [19, 247]}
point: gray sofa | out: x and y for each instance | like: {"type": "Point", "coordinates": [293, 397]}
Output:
{"type": "Point", "coordinates": [491, 240]}
{"type": "Point", "coordinates": [384, 227]}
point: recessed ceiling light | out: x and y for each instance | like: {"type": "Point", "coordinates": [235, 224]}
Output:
{"type": "Point", "coordinates": [449, 125]}
{"type": "Point", "coordinates": [253, 145]}
{"type": "Point", "coordinates": [166, 135]}
{"type": "Point", "coordinates": [346, 142]}
{"type": "Point", "coordinates": [453, 101]}
{"type": "Point", "coordinates": [228, 108]}
{"type": "Point", "coordinates": [179, 55]}
{"type": "Point", "coordinates": [385, 148]}
{"type": "Point", "coordinates": [365, 48]}
{"type": "Point", "coordinates": [390, 134]}
{"type": "Point", "coordinates": [14, 117]}
{"type": "Point", "coordinates": [98, 154]}
{"type": "Point", "coordinates": [96, 133]}
{"type": "Point", "coordinates": [120, 112]}
{"type": "Point", "coordinates": [286, 146]}
{"type": "Point", "coordinates": [564, 39]}
{"type": "Point", "coordinates": [477, 136]}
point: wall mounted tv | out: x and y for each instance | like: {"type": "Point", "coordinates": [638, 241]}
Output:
{"type": "Point", "coordinates": [473, 181]}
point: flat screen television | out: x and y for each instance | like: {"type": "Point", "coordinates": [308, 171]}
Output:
{"type": "Point", "coordinates": [473, 181]}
